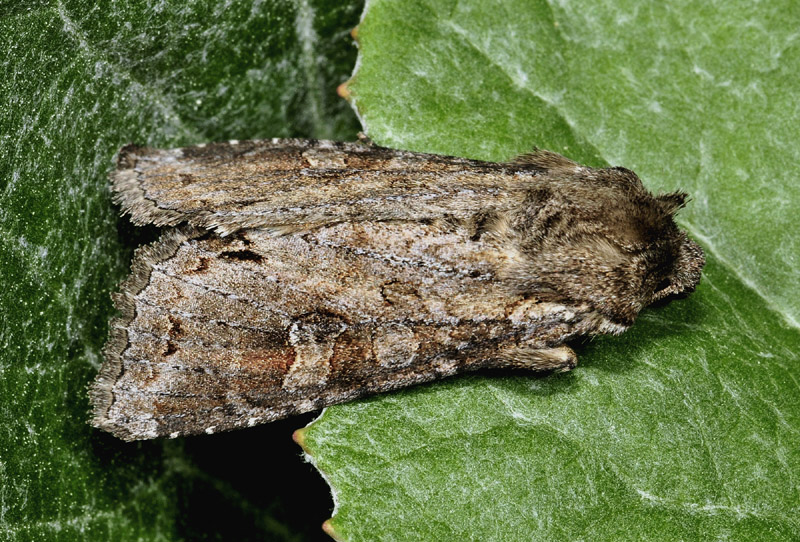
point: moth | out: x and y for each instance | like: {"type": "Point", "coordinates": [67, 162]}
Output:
{"type": "Point", "coordinates": [295, 274]}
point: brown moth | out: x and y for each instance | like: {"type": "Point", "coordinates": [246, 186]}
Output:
{"type": "Point", "coordinates": [298, 274]}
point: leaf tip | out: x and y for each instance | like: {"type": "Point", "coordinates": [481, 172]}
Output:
{"type": "Point", "coordinates": [354, 33]}
{"type": "Point", "coordinates": [327, 526]}
{"type": "Point", "coordinates": [299, 436]}
{"type": "Point", "coordinates": [343, 90]}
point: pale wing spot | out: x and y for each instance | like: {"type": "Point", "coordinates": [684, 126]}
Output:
{"type": "Point", "coordinates": [313, 340]}
{"type": "Point", "coordinates": [319, 158]}
{"type": "Point", "coordinates": [394, 345]}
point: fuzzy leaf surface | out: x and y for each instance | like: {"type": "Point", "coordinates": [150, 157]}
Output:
{"type": "Point", "coordinates": [684, 428]}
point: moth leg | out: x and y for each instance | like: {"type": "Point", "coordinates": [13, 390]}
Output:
{"type": "Point", "coordinates": [558, 359]}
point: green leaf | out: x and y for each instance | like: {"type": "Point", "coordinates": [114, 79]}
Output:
{"type": "Point", "coordinates": [686, 427]}
{"type": "Point", "coordinates": [80, 79]}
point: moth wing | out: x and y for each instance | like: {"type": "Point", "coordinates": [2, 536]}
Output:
{"type": "Point", "coordinates": [223, 332]}
{"type": "Point", "coordinates": [291, 184]}
{"type": "Point", "coordinates": [547, 161]}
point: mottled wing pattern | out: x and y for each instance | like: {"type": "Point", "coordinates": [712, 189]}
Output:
{"type": "Point", "coordinates": [286, 183]}
{"type": "Point", "coordinates": [224, 332]}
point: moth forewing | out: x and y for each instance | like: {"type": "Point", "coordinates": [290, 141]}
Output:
{"type": "Point", "coordinates": [247, 328]}
{"type": "Point", "coordinates": [393, 268]}
{"type": "Point", "coordinates": [281, 182]}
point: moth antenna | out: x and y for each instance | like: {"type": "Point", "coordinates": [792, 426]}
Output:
{"type": "Point", "coordinates": [673, 201]}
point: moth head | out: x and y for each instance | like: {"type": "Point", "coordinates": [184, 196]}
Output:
{"type": "Point", "coordinates": [663, 263]}
{"type": "Point", "coordinates": [683, 275]}
{"type": "Point", "coordinates": [614, 252]}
